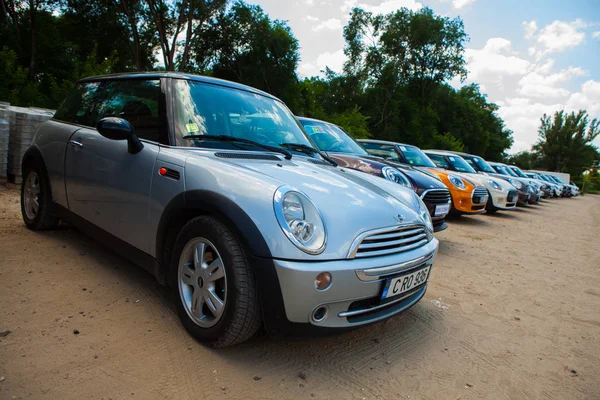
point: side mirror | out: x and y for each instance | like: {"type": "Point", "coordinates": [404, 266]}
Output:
{"type": "Point", "coordinates": [119, 129]}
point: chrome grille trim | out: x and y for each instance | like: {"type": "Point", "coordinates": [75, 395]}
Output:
{"type": "Point", "coordinates": [353, 313]}
{"type": "Point", "coordinates": [389, 240]}
{"type": "Point", "coordinates": [436, 196]}
{"type": "Point", "coordinates": [480, 192]}
{"type": "Point", "coordinates": [377, 273]}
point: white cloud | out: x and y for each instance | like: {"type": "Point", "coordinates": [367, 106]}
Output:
{"type": "Point", "coordinates": [335, 61]}
{"type": "Point", "coordinates": [331, 24]}
{"type": "Point", "coordinates": [530, 28]}
{"type": "Point", "coordinates": [458, 4]}
{"type": "Point", "coordinates": [539, 83]}
{"type": "Point", "coordinates": [596, 35]}
{"type": "Point", "coordinates": [348, 5]}
{"type": "Point", "coordinates": [495, 60]}
{"type": "Point", "coordinates": [309, 2]}
{"type": "Point", "coordinates": [389, 6]}
{"type": "Point", "coordinates": [587, 99]}
{"type": "Point", "coordinates": [557, 37]}
{"type": "Point", "coordinates": [311, 18]}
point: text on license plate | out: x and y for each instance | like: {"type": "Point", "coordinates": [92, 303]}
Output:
{"type": "Point", "coordinates": [402, 284]}
{"type": "Point", "coordinates": [441, 209]}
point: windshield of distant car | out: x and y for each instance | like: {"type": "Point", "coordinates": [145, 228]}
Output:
{"type": "Point", "coordinates": [458, 164]}
{"type": "Point", "coordinates": [500, 169]}
{"type": "Point", "coordinates": [517, 171]}
{"type": "Point", "coordinates": [479, 164]}
{"type": "Point", "coordinates": [386, 151]}
{"type": "Point", "coordinates": [509, 171]}
{"type": "Point", "coordinates": [208, 109]}
{"type": "Point", "coordinates": [414, 156]}
{"type": "Point", "coordinates": [330, 137]}
{"type": "Point", "coordinates": [555, 179]}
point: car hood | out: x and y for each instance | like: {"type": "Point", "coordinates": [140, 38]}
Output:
{"type": "Point", "coordinates": [350, 202]}
{"type": "Point", "coordinates": [421, 180]}
{"type": "Point", "coordinates": [484, 180]}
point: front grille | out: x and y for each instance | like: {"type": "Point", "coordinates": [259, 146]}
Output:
{"type": "Point", "coordinates": [389, 241]}
{"type": "Point", "coordinates": [512, 196]}
{"type": "Point", "coordinates": [437, 196]}
{"type": "Point", "coordinates": [480, 195]}
{"type": "Point", "coordinates": [248, 156]}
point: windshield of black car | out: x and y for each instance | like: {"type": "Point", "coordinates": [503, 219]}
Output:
{"type": "Point", "coordinates": [460, 165]}
{"type": "Point", "coordinates": [329, 137]}
{"type": "Point", "coordinates": [207, 109]}
{"type": "Point", "coordinates": [414, 156]}
{"type": "Point", "coordinates": [480, 164]}
{"type": "Point", "coordinates": [517, 171]}
{"type": "Point", "coordinates": [509, 171]}
{"type": "Point", "coordinates": [386, 151]}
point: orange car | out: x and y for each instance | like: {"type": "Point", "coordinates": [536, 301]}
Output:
{"type": "Point", "coordinates": [468, 196]}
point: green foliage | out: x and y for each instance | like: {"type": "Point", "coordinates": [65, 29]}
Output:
{"type": "Point", "coordinates": [393, 85]}
{"type": "Point", "coordinates": [565, 141]}
{"type": "Point", "coordinates": [447, 141]}
{"type": "Point", "coordinates": [353, 122]}
{"type": "Point", "coordinates": [525, 160]}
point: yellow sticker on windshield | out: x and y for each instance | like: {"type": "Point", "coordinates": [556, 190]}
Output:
{"type": "Point", "coordinates": [192, 127]}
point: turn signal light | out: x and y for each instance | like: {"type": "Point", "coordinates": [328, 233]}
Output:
{"type": "Point", "coordinates": [323, 281]}
{"type": "Point", "coordinates": [162, 171]}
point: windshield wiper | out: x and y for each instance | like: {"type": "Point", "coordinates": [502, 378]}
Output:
{"type": "Point", "coordinates": [225, 138]}
{"type": "Point", "coordinates": [303, 148]}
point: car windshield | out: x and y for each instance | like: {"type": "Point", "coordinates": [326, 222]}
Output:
{"type": "Point", "coordinates": [226, 113]}
{"type": "Point", "coordinates": [330, 137]}
{"type": "Point", "coordinates": [509, 171]}
{"type": "Point", "coordinates": [517, 171]}
{"type": "Point", "coordinates": [500, 169]}
{"type": "Point", "coordinates": [414, 156]}
{"type": "Point", "coordinates": [555, 179]}
{"type": "Point", "coordinates": [479, 164]}
{"type": "Point", "coordinates": [386, 151]}
{"type": "Point", "coordinates": [460, 165]}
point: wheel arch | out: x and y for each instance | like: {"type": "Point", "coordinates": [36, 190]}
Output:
{"type": "Point", "coordinates": [33, 156]}
{"type": "Point", "coordinates": [190, 204]}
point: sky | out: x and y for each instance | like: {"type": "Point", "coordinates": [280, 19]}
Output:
{"type": "Point", "coordinates": [529, 56]}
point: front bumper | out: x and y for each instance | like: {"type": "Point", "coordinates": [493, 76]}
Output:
{"type": "Point", "coordinates": [504, 200]}
{"type": "Point", "coordinates": [353, 298]}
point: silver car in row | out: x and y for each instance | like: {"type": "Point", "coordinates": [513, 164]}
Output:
{"type": "Point", "coordinates": [216, 190]}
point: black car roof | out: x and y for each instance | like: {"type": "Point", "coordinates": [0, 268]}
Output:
{"type": "Point", "coordinates": [384, 142]}
{"type": "Point", "coordinates": [176, 75]}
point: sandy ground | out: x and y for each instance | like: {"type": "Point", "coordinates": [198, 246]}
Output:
{"type": "Point", "coordinates": [512, 312]}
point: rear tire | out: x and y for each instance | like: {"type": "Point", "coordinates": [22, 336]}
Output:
{"type": "Point", "coordinates": [213, 284]}
{"type": "Point", "coordinates": [36, 200]}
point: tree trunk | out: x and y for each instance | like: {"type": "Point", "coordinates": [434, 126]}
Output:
{"type": "Point", "coordinates": [32, 13]}
{"type": "Point", "coordinates": [8, 6]}
{"type": "Point", "coordinates": [188, 40]}
{"type": "Point", "coordinates": [164, 42]}
{"type": "Point", "coordinates": [132, 20]}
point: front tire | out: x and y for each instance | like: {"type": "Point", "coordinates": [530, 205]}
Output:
{"type": "Point", "coordinates": [213, 284]}
{"type": "Point", "coordinates": [36, 201]}
{"type": "Point", "coordinates": [489, 207]}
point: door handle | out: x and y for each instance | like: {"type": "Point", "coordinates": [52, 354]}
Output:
{"type": "Point", "coordinates": [75, 143]}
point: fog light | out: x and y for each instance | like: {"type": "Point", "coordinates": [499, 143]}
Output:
{"type": "Point", "coordinates": [323, 281]}
{"type": "Point", "coordinates": [319, 314]}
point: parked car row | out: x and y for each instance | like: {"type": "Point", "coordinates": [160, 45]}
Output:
{"type": "Point", "coordinates": [252, 216]}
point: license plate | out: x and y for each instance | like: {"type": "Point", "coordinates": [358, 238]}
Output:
{"type": "Point", "coordinates": [402, 284]}
{"type": "Point", "coordinates": [441, 209]}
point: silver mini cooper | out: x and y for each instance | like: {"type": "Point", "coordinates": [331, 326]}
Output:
{"type": "Point", "coordinates": [215, 189]}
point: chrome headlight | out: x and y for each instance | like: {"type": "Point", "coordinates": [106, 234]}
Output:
{"type": "Point", "coordinates": [515, 183]}
{"type": "Point", "coordinates": [300, 220]}
{"type": "Point", "coordinates": [456, 181]}
{"type": "Point", "coordinates": [494, 184]}
{"type": "Point", "coordinates": [393, 175]}
{"type": "Point", "coordinates": [424, 214]}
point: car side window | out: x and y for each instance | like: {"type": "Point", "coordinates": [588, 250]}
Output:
{"type": "Point", "coordinates": [440, 161]}
{"type": "Point", "coordinates": [136, 101]}
{"type": "Point", "coordinates": [78, 108]}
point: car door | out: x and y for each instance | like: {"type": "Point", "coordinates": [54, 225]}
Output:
{"type": "Point", "coordinates": [105, 184]}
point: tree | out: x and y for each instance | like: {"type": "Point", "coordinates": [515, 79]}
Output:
{"type": "Point", "coordinates": [173, 18]}
{"type": "Point", "coordinates": [244, 45]}
{"type": "Point", "coordinates": [565, 141]}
